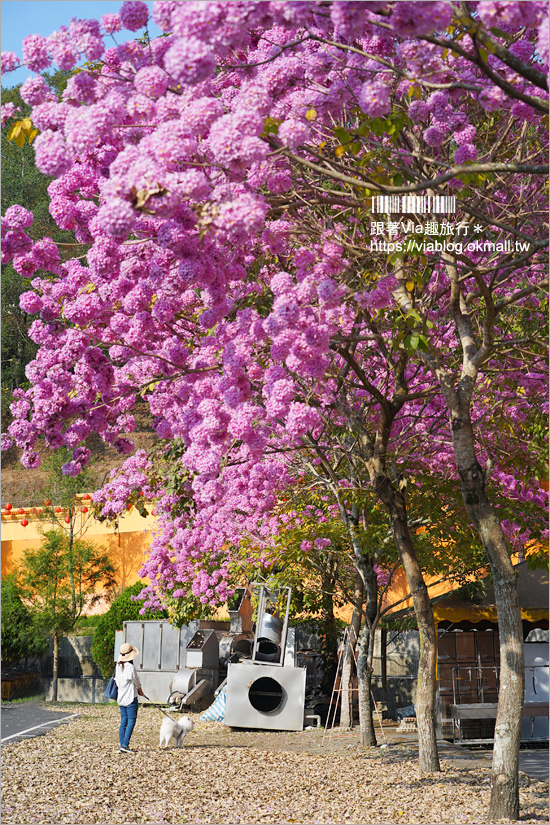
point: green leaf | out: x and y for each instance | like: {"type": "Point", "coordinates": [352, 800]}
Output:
{"type": "Point", "coordinates": [377, 126]}
{"type": "Point", "coordinates": [271, 126]}
{"type": "Point", "coordinates": [499, 33]}
{"type": "Point", "coordinates": [342, 135]}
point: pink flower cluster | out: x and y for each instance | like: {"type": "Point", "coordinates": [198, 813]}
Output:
{"type": "Point", "coordinates": [221, 283]}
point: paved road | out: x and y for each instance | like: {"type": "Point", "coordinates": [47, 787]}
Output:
{"type": "Point", "coordinates": [27, 719]}
{"type": "Point", "coordinates": [532, 761]}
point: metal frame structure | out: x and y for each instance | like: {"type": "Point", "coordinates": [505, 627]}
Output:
{"type": "Point", "coordinates": [265, 595]}
{"type": "Point", "coordinates": [484, 711]}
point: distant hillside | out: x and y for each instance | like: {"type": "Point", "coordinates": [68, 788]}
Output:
{"type": "Point", "coordinates": [24, 488]}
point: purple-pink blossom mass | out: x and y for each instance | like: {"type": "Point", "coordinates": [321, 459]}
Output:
{"type": "Point", "coordinates": [224, 180]}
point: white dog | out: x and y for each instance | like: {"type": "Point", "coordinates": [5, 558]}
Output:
{"type": "Point", "coordinates": [176, 730]}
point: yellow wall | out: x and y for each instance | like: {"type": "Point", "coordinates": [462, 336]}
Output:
{"type": "Point", "coordinates": [128, 546]}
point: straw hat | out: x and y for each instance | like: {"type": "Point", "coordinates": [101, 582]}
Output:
{"type": "Point", "coordinates": [127, 653]}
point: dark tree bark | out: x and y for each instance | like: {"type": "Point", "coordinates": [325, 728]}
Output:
{"type": "Point", "coordinates": [55, 673]}
{"type": "Point", "coordinates": [505, 768]}
{"type": "Point", "coordinates": [425, 706]}
{"type": "Point", "coordinates": [346, 718]}
{"type": "Point", "coordinates": [366, 653]}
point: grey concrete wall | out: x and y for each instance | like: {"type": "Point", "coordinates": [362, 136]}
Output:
{"type": "Point", "coordinates": [75, 658]}
{"type": "Point", "coordinates": [402, 653]}
{"type": "Point", "coordinates": [85, 689]}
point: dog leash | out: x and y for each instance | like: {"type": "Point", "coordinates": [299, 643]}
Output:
{"type": "Point", "coordinates": [159, 708]}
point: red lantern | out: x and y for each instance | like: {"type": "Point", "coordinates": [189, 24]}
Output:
{"type": "Point", "coordinates": [7, 507]}
{"type": "Point", "coordinates": [67, 519]}
{"type": "Point", "coordinates": [83, 509]}
{"type": "Point", "coordinates": [47, 502]}
{"type": "Point", "coordinates": [24, 522]}
{"type": "Point", "coordinates": [86, 497]}
{"type": "Point", "coordinates": [58, 510]}
{"type": "Point", "coordinates": [20, 512]}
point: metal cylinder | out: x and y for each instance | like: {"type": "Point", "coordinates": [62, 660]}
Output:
{"type": "Point", "coordinates": [184, 681]}
{"type": "Point", "coordinates": [241, 644]}
{"type": "Point", "coordinates": [270, 628]}
{"type": "Point", "coordinates": [267, 651]}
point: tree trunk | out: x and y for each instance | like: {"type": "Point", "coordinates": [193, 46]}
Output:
{"type": "Point", "coordinates": [55, 666]}
{"type": "Point", "coordinates": [71, 566]}
{"type": "Point", "coordinates": [329, 633]}
{"type": "Point", "coordinates": [366, 652]}
{"type": "Point", "coordinates": [364, 673]}
{"type": "Point", "coordinates": [346, 717]}
{"type": "Point", "coordinates": [394, 501]}
{"type": "Point", "coordinates": [504, 775]}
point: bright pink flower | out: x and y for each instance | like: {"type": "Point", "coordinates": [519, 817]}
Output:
{"type": "Point", "coordinates": [374, 98]}
{"type": "Point", "coordinates": [134, 15]}
{"type": "Point", "coordinates": [35, 53]}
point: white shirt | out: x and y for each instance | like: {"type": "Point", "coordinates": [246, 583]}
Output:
{"type": "Point", "coordinates": [127, 682]}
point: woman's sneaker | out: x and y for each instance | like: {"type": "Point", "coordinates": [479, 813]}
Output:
{"type": "Point", "coordinates": [126, 750]}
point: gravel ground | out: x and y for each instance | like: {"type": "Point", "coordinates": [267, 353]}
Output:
{"type": "Point", "coordinates": [75, 774]}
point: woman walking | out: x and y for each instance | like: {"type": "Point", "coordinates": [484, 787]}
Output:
{"type": "Point", "coordinates": [129, 688]}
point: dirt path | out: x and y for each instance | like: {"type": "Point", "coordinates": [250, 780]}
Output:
{"type": "Point", "coordinates": [75, 774]}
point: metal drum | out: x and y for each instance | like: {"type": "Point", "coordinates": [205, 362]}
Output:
{"type": "Point", "coordinates": [184, 681]}
{"type": "Point", "coordinates": [240, 644]}
{"type": "Point", "coordinates": [267, 651]}
{"type": "Point", "coordinates": [270, 628]}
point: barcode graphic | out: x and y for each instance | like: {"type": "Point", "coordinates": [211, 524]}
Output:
{"type": "Point", "coordinates": [415, 204]}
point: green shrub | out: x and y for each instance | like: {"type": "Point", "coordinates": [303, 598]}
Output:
{"type": "Point", "coordinates": [123, 609]}
{"type": "Point", "coordinates": [20, 637]}
{"type": "Point", "coordinates": [87, 625]}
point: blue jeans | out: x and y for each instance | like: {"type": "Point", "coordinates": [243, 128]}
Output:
{"type": "Point", "coordinates": [128, 716]}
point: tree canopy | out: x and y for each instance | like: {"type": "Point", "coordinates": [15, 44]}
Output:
{"type": "Point", "coordinates": [312, 229]}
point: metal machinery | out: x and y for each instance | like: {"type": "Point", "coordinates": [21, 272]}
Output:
{"type": "Point", "coordinates": [190, 664]}
{"type": "Point", "coordinates": [469, 682]}
{"type": "Point", "coordinates": [187, 663]}
{"type": "Point", "coordinates": [162, 653]}
{"type": "Point", "coordinates": [201, 673]}
{"type": "Point", "coordinates": [267, 692]}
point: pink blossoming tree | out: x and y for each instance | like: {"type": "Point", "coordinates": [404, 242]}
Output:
{"type": "Point", "coordinates": [226, 177]}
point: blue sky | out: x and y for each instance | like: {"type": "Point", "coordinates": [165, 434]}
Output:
{"type": "Point", "coordinates": [20, 18]}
